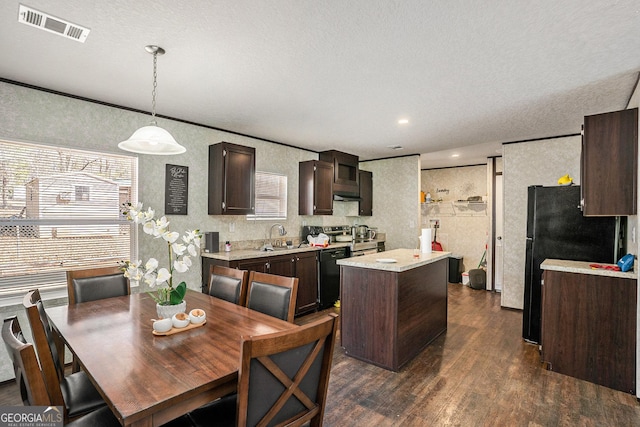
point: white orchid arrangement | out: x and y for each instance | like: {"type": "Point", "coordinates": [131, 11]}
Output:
{"type": "Point", "coordinates": [180, 253]}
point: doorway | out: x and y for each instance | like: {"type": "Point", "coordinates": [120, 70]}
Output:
{"type": "Point", "coordinates": [498, 227]}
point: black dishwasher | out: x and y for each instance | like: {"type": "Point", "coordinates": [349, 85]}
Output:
{"type": "Point", "coordinates": [329, 283]}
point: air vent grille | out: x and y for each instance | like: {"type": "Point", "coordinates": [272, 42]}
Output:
{"type": "Point", "coordinates": [46, 22]}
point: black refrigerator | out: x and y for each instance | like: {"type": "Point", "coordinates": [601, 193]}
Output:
{"type": "Point", "coordinates": [557, 229]}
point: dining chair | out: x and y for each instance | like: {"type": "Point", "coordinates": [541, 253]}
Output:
{"type": "Point", "coordinates": [74, 392]}
{"type": "Point", "coordinates": [96, 283]}
{"type": "Point", "coordinates": [272, 294]}
{"type": "Point", "coordinates": [283, 379]}
{"type": "Point", "coordinates": [229, 284]}
{"type": "Point", "coordinates": [31, 382]}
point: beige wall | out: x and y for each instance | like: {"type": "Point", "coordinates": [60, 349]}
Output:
{"type": "Point", "coordinates": [40, 117]}
{"type": "Point", "coordinates": [462, 232]}
{"type": "Point", "coordinates": [525, 164]}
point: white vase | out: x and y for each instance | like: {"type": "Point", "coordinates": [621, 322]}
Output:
{"type": "Point", "coordinates": [167, 311]}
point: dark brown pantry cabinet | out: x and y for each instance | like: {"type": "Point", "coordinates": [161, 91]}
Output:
{"type": "Point", "coordinates": [365, 205]}
{"type": "Point", "coordinates": [315, 193]}
{"type": "Point", "coordinates": [589, 328]}
{"type": "Point", "coordinates": [232, 172]}
{"type": "Point", "coordinates": [609, 163]}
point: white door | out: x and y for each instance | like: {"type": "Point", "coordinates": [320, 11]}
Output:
{"type": "Point", "coordinates": [498, 226]}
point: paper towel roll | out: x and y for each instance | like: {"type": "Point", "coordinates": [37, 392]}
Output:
{"type": "Point", "coordinates": [425, 241]}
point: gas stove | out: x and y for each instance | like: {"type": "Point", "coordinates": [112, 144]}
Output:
{"type": "Point", "coordinates": [356, 245]}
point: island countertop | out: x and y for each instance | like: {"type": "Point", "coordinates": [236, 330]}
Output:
{"type": "Point", "coordinates": [397, 260]}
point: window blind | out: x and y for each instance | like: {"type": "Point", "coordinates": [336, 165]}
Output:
{"type": "Point", "coordinates": [60, 210]}
{"type": "Point", "coordinates": [271, 196]}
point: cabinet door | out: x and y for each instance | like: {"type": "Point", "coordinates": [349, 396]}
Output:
{"type": "Point", "coordinates": [366, 193]}
{"type": "Point", "coordinates": [231, 179]}
{"type": "Point", "coordinates": [315, 193]}
{"type": "Point", "coordinates": [609, 163]}
{"type": "Point", "coordinates": [307, 274]}
{"type": "Point", "coordinates": [323, 189]}
{"type": "Point", "coordinates": [283, 265]}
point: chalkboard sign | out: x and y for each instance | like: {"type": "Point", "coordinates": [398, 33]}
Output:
{"type": "Point", "coordinates": [176, 190]}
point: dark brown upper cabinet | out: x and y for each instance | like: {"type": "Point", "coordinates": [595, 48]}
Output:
{"type": "Point", "coordinates": [232, 175]}
{"type": "Point", "coordinates": [315, 193]}
{"type": "Point", "coordinates": [365, 207]}
{"type": "Point", "coordinates": [345, 172]}
{"type": "Point", "coordinates": [609, 166]}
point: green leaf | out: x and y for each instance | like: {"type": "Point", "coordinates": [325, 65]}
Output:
{"type": "Point", "coordinates": [177, 294]}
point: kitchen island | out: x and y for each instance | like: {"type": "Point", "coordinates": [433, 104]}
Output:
{"type": "Point", "coordinates": [392, 305]}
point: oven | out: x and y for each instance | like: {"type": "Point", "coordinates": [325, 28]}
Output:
{"type": "Point", "coordinates": [363, 248]}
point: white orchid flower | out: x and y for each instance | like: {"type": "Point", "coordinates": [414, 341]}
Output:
{"type": "Point", "coordinates": [182, 265]}
{"type": "Point", "coordinates": [151, 265]}
{"type": "Point", "coordinates": [178, 248]}
{"type": "Point", "coordinates": [163, 276]}
{"type": "Point", "coordinates": [148, 215]}
{"type": "Point", "coordinates": [170, 236]}
{"type": "Point", "coordinates": [150, 279]}
{"type": "Point", "coordinates": [149, 227]}
{"type": "Point", "coordinates": [193, 251]}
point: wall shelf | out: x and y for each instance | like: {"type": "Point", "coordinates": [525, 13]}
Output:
{"type": "Point", "coordinates": [458, 208]}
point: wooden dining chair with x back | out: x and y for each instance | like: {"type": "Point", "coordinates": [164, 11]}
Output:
{"type": "Point", "coordinates": [96, 283]}
{"type": "Point", "coordinates": [229, 284]}
{"type": "Point", "coordinates": [31, 382]}
{"type": "Point", "coordinates": [282, 380]}
{"type": "Point", "coordinates": [272, 294]}
{"type": "Point", "coordinates": [74, 392]}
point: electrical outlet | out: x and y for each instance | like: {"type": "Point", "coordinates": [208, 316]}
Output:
{"type": "Point", "coordinates": [232, 227]}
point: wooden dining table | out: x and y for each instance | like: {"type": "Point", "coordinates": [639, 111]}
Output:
{"type": "Point", "coordinates": [148, 380]}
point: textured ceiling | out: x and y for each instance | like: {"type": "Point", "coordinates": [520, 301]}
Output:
{"type": "Point", "coordinates": [335, 74]}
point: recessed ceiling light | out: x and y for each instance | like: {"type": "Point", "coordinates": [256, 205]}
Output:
{"type": "Point", "coordinates": [403, 121]}
{"type": "Point", "coordinates": [455, 155]}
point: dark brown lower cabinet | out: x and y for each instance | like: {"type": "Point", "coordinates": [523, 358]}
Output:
{"type": "Point", "coordinates": [589, 328]}
{"type": "Point", "coordinates": [303, 265]}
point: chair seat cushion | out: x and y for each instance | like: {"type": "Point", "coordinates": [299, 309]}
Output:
{"type": "Point", "coordinates": [103, 417]}
{"type": "Point", "coordinates": [221, 412]}
{"type": "Point", "coordinates": [80, 396]}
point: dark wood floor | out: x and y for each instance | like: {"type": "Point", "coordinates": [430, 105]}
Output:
{"type": "Point", "coordinates": [479, 373]}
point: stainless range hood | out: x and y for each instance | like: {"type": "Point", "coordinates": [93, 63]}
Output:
{"type": "Point", "coordinates": [339, 198]}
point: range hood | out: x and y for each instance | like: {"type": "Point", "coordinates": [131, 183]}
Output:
{"type": "Point", "coordinates": [345, 198]}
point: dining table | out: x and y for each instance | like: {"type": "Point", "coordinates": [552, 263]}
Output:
{"type": "Point", "coordinates": [148, 379]}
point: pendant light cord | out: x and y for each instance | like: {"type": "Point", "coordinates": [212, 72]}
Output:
{"type": "Point", "coordinates": [155, 85]}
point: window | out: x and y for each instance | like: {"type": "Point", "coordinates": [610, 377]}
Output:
{"type": "Point", "coordinates": [271, 196]}
{"type": "Point", "coordinates": [82, 193]}
{"type": "Point", "coordinates": [60, 209]}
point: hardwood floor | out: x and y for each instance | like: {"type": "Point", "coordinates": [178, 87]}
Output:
{"type": "Point", "coordinates": [479, 373]}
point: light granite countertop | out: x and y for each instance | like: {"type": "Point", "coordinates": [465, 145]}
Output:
{"type": "Point", "coordinates": [395, 260]}
{"type": "Point", "coordinates": [582, 267]}
{"type": "Point", "coordinates": [240, 254]}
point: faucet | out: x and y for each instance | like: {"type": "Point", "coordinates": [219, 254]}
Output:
{"type": "Point", "coordinates": [281, 231]}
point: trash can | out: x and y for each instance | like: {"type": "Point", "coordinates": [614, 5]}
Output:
{"type": "Point", "coordinates": [455, 268]}
{"type": "Point", "coordinates": [477, 279]}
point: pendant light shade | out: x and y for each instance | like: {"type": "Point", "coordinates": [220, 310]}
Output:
{"type": "Point", "coordinates": [152, 139]}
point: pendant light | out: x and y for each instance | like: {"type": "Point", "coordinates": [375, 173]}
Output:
{"type": "Point", "coordinates": [152, 139]}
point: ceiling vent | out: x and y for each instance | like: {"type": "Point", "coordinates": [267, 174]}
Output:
{"type": "Point", "coordinates": [44, 21]}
